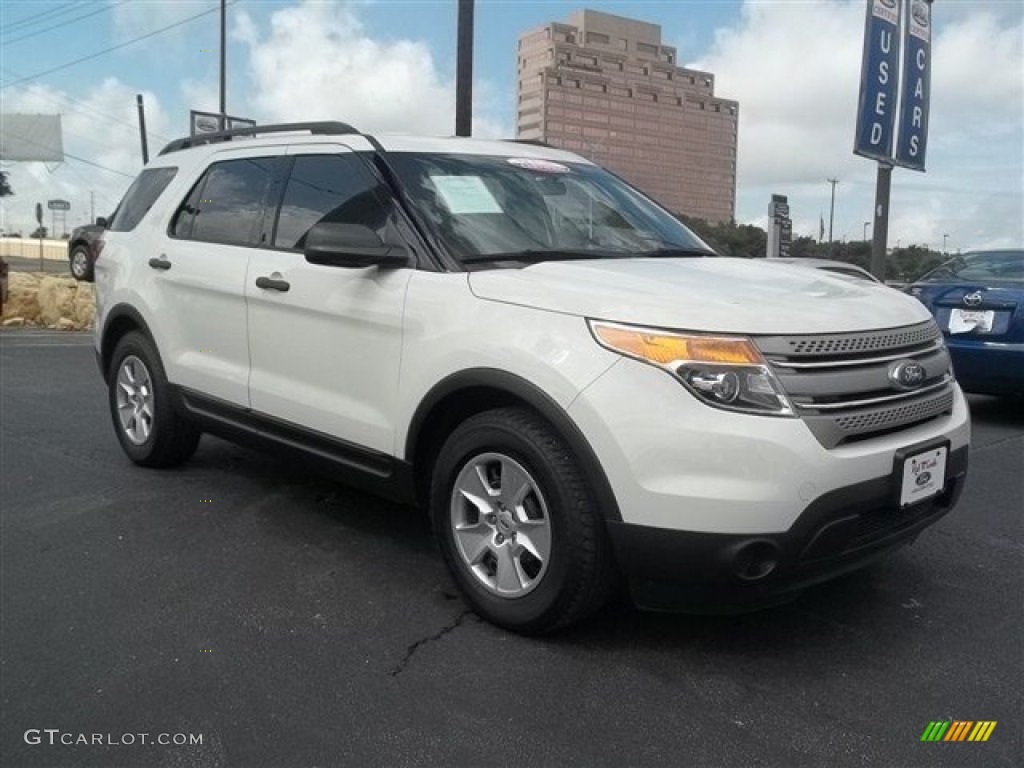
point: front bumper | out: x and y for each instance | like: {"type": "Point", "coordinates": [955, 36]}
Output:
{"type": "Point", "coordinates": [725, 508]}
{"type": "Point", "coordinates": [839, 532]}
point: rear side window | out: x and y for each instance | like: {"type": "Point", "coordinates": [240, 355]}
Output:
{"type": "Point", "coordinates": [328, 188]}
{"type": "Point", "coordinates": [140, 198]}
{"type": "Point", "coordinates": [226, 206]}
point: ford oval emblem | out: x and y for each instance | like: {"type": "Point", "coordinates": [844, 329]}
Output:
{"type": "Point", "coordinates": [923, 479]}
{"type": "Point", "coordinates": [972, 299]}
{"type": "Point", "coordinates": [906, 374]}
{"type": "Point", "coordinates": [888, 3]}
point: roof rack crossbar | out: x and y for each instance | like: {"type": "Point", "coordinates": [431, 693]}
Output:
{"type": "Point", "coordinates": [325, 128]}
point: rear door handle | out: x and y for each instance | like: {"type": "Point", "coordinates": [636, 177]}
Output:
{"type": "Point", "coordinates": [160, 263]}
{"type": "Point", "coordinates": [271, 284]}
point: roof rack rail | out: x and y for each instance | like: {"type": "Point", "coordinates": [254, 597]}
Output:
{"type": "Point", "coordinates": [532, 143]}
{"type": "Point", "coordinates": [326, 128]}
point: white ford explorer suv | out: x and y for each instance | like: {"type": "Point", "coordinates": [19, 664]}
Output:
{"type": "Point", "coordinates": [572, 383]}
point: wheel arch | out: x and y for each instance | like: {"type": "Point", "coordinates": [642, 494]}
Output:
{"type": "Point", "coordinates": [121, 320]}
{"type": "Point", "coordinates": [73, 244]}
{"type": "Point", "coordinates": [467, 393]}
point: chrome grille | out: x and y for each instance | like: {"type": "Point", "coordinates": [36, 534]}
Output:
{"type": "Point", "coordinates": [839, 383]}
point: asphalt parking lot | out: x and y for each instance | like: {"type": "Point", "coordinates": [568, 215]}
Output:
{"type": "Point", "coordinates": [294, 622]}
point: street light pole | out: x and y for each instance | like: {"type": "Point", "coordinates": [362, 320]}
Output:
{"type": "Point", "coordinates": [832, 207]}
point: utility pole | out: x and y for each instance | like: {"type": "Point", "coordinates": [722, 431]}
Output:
{"type": "Point", "coordinates": [866, 225]}
{"type": "Point", "coordinates": [92, 207]}
{"type": "Point", "coordinates": [944, 238]}
{"type": "Point", "coordinates": [223, 65]}
{"type": "Point", "coordinates": [142, 128]}
{"type": "Point", "coordinates": [832, 207]}
{"type": "Point", "coordinates": [883, 184]}
{"type": "Point", "coordinates": [464, 71]}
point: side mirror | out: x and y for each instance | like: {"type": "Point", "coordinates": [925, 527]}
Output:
{"type": "Point", "coordinates": [336, 244]}
{"type": "Point", "coordinates": [101, 222]}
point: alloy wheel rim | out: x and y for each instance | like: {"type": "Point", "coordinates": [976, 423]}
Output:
{"type": "Point", "coordinates": [80, 263]}
{"type": "Point", "coordinates": [135, 400]}
{"type": "Point", "coordinates": [501, 525]}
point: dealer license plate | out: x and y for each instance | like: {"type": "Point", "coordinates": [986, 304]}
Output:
{"type": "Point", "coordinates": [924, 475]}
{"type": "Point", "coordinates": [967, 320]}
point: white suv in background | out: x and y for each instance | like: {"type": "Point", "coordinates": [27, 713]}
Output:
{"type": "Point", "coordinates": [568, 378]}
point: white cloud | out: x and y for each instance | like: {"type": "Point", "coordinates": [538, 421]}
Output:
{"type": "Point", "coordinates": [795, 69]}
{"type": "Point", "coordinates": [134, 19]}
{"type": "Point", "coordinates": [100, 126]}
{"type": "Point", "coordinates": [317, 61]}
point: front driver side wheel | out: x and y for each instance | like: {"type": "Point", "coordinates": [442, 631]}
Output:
{"type": "Point", "coordinates": [517, 525]}
{"type": "Point", "coordinates": [149, 429]}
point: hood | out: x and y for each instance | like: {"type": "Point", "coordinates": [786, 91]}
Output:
{"type": "Point", "coordinates": [719, 295]}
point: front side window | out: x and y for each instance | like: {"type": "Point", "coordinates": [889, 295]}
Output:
{"type": "Point", "coordinates": [328, 188]}
{"type": "Point", "coordinates": [485, 208]}
{"type": "Point", "coordinates": [230, 205]}
{"type": "Point", "coordinates": [140, 197]}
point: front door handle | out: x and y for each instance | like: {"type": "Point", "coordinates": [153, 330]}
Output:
{"type": "Point", "coordinates": [271, 284]}
{"type": "Point", "coordinates": [160, 263]}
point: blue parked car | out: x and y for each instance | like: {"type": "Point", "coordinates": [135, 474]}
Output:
{"type": "Point", "coordinates": [978, 301]}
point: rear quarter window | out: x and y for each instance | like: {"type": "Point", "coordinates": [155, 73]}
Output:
{"type": "Point", "coordinates": [140, 197]}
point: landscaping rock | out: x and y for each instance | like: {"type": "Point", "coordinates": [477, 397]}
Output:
{"type": "Point", "coordinates": [23, 289]}
{"type": "Point", "coordinates": [53, 301]}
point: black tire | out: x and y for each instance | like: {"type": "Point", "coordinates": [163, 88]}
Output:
{"type": "Point", "coordinates": [80, 264]}
{"type": "Point", "coordinates": [171, 439]}
{"type": "Point", "coordinates": [578, 574]}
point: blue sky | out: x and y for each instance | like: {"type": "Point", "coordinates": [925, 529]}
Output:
{"type": "Point", "coordinates": [193, 47]}
{"type": "Point", "coordinates": [793, 65]}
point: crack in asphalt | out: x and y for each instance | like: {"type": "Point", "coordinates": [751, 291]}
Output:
{"type": "Point", "coordinates": [411, 650]}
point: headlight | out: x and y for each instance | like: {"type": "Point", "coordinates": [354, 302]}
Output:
{"type": "Point", "coordinates": [723, 371]}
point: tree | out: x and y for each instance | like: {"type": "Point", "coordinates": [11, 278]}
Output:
{"type": "Point", "coordinates": [5, 186]}
{"type": "Point", "coordinates": [729, 238]}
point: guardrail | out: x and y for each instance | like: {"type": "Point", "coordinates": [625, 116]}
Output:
{"type": "Point", "coordinates": [28, 248]}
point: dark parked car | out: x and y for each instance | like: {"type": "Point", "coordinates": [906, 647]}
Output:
{"type": "Point", "coordinates": [83, 248]}
{"type": "Point", "coordinates": [978, 301]}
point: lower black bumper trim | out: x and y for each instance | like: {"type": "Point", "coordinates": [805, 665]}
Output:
{"type": "Point", "coordinates": [839, 532]}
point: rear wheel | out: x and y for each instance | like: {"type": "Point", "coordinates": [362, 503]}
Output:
{"type": "Point", "coordinates": [149, 429]}
{"type": "Point", "coordinates": [81, 265]}
{"type": "Point", "coordinates": [517, 525]}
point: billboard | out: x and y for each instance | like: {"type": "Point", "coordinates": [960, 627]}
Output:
{"type": "Point", "coordinates": [33, 138]}
{"type": "Point", "coordinates": [780, 228]}
{"type": "Point", "coordinates": [58, 205]}
{"type": "Point", "coordinates": [916, 86]}
{"type": "Point", "coordinates": [209, 122]}
{"type": "Point", "coordinates": [876, 110]}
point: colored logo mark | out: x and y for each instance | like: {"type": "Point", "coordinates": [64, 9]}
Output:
{"type": "Point", "coordinates": [958, 730]}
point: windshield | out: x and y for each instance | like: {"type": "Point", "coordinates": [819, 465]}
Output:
{"type": "Point", "coordinates": [988, 266]}
{"type": "Point", "coordinates": [485, 208]}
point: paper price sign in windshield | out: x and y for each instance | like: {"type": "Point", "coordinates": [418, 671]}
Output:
{"type": "Point", "coordinates": [466, 194]}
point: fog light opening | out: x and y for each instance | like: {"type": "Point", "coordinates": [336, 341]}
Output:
{"type": "Point", "coordinates": [756, 561]}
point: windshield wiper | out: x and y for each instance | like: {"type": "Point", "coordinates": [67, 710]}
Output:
{"type": "Point", "coordinates": [535, 256]}
{"type": "Point", "coordinates": [674, 252]}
